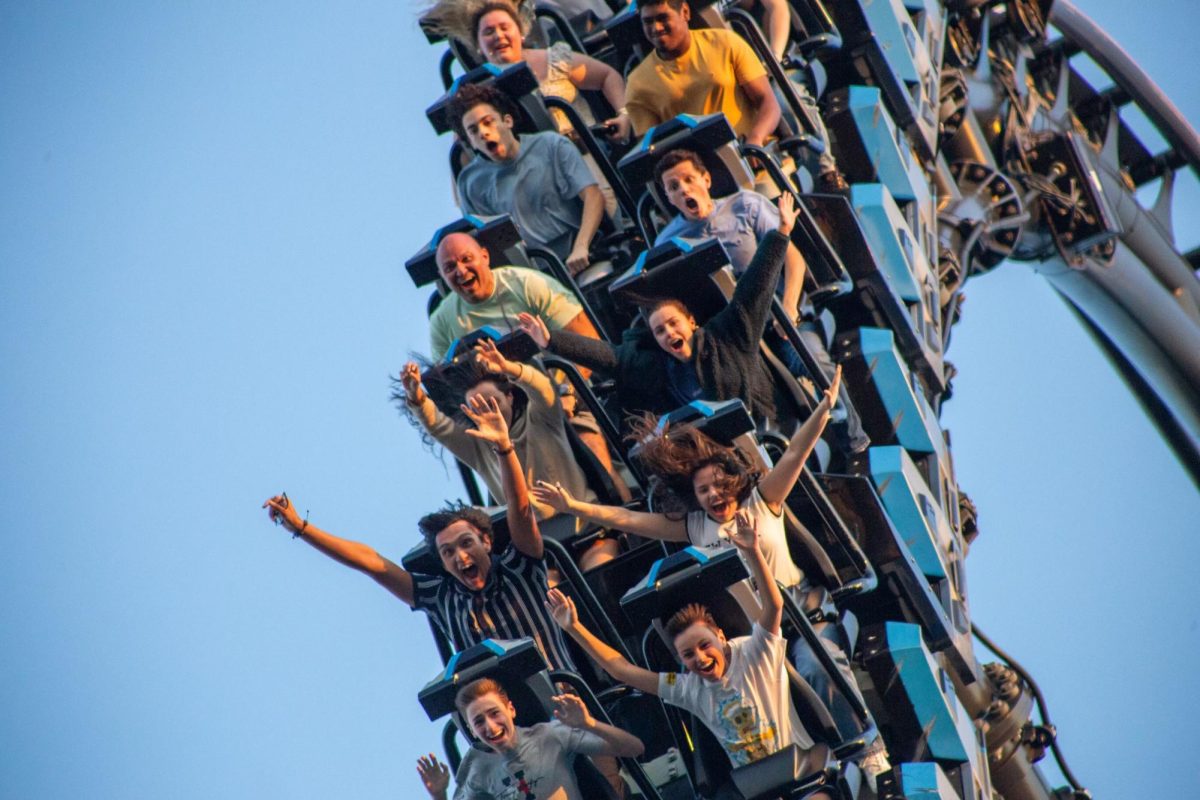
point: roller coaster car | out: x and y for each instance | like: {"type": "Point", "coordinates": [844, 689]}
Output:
{"type": "Point", "coordinates": [692, 575]}
{"type": "Point", "coordinates": [516, 81]}
{"type": "Point", "coordinates": [521, 670]}
{"type": "Point", "coordinates": [497, 235]}
{"type": "Point", "coordinates": [711, 138]}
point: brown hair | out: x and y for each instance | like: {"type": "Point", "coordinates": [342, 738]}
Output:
{"type": "Point", "coordinates": [475, 690]}
{"type": "Point", "coordinates": [676, 455]}
{"type": "Point", "coordinates": [688, 616]}
{"type": "Point", "coordinates": [674, 159]}
{"type": "Point", "coordinates": [489, 7]}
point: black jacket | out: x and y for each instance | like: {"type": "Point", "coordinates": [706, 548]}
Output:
{"type": "Point", "coordinates": [726, 348]}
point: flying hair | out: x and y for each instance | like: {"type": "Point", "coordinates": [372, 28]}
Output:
{"type": "Point", "coordinates": [459, 19]}
{"type": "Point", "coordinates": [674, 458]}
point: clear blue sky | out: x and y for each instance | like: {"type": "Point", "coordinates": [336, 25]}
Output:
{"type": "Point", "coordinates": [204, 212]}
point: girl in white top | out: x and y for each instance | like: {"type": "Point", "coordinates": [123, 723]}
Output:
{"type": "Point", "coordinates": [710, 483]}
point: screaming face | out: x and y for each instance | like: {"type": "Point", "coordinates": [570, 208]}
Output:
{"type": "Point", "coordinates": [492, 719]}
{"type": "Point", "coordinates": [490, 132]}
{"type": "Point", "coordinates": [714, 498]}
{"type": "Point", "coordinates": [673, 329]}
{"type": "Point", "coordinates": [687, 189]}
{"type": "Point", "coordinates": [703, 651]}
{"type": "Point", "coordinates": [465, 552]}
{"type": "Point", "coordinates": [465, 267]}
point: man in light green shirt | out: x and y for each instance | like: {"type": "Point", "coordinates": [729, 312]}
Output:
{"type": "Point", "coordinates": [483, 296]}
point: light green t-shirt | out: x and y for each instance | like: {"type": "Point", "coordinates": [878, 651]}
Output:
{"type": "Point", "coordinates": [517, 289]}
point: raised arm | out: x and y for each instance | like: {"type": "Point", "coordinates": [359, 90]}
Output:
{"type": "Point", "coordinates": [537, 386]}
{"type": "Point", "coordinates": [777, 484]}
{"type": "Point", "coordinates": [355, 555]}
{"type": "Point", "coordinates": [490, 427]}
{"type": "Point", "coordinates": [571, 711]}
{"type": "Point", "coordinates": [652, 526]}
{"type": "Point", "coordinates": [587, 351]}
{"type": "Point", "coordinates": [794, 269]}
{"type": "Point", "coordinates": [744, 319]}
{"type": "Point", "coordinates": [745, 538]}
{"type": "Point", "coordinates": [562, 608]}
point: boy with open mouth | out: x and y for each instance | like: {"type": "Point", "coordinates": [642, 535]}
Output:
{"type": "Point", "coordinates": [737, 687]}
{"type": "Point", "coordinates": [536, 761]}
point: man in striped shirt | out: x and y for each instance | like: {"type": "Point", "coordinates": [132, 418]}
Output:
{"type": "Point", "coordinates": [485, 596]}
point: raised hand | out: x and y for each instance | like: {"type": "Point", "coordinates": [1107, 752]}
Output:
{"type": "Point", "coordinates": [489, 421]}
{"type": "Point", "coordinates": [562, 608]}
{"type": "Point", "coordinates": [536, 328]}
{"type": "Point", "coordinates": [282, 511]}
{"type": "Point", "coordinates": [745, 531]}
{"type": "Point", "coordinates": [434, 774]}
{"type": "Point", "coordinates": [787, 213]}
{"type": "Point", "coordinates": [491, 359]}
{"type": "Point", "coordinates": [554, 495]}
{"type": "Point", "coordinates": [830, 397]}
{"type": "Point", "coordinates": [570, 710]}
{"type": "Point", "coordinates": [410, 378]}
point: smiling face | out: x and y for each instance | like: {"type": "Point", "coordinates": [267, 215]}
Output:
{"type": "Point", "coordinates": [490, 132]}
{"type": "Point", "coordinates": [492, 719]}
{"type": "Point", "coordinates": [666, 28]}
{"type": "Point", "coordinates": [499, 37]}
{"type": "Point", "coordinates": [712, 493]}
{"type": "Point", "coordinates": [702, 651]}
{"type": "Point", "coordinates": [465, 267]}
{"type": "Point", "coordinates": [465, 553]}
{"type": "Point", "coordinates": [687, 189]}
{"type": "Point", "coordinates": [673, 328]}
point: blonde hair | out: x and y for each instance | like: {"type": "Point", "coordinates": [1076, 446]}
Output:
{"type": "Point", "coordinates": [459, 19]}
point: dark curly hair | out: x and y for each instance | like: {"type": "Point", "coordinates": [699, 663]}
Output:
{"type": "Point", "coordinates": [675, 457]}
{"type": "Point", "coordinates": [435, 522]}
{"type": "Point", "coordinates": [470, 95]}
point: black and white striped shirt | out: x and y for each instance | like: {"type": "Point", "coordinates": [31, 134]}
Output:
{"type": "Point", "coordinates": [511, 605]}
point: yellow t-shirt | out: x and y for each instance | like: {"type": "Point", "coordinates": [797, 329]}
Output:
{"type": "Point", "coordinates": [704, 80]}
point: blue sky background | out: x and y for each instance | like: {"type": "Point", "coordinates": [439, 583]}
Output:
{"type": "Point", "coordinates": [204, 212]}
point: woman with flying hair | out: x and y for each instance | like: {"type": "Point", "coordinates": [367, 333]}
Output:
{"type": "Point", "coordinates": [702, 487]}
{"type": "Point", "coordinates": [497, 29]}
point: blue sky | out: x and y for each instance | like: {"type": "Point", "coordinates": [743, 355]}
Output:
{"type": "Point", "coordinates": [204, 212]}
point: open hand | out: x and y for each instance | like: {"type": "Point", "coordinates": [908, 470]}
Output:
{"type": "Point", "coordinates": [488, 356]}
{"type": "Point", "coordinates": [787, 213]}
{"type": "Point", "coordinates": [562, 608]}
{"type": "Point", "coordinates": [410, 379]}
{"type": "Point", "coordinates": [489, 421]}
{"type": "Point", "coordinates": [434, 774]}
{"type": "Point", "coordinates": [745, 531]}
{"type": "Point", "coordinates": [570, 710]}
{"type": "Point", "coordinates": [536, 328]}
{"type": "Point", "coordinates": [282, 511]}
{"type": "Point", "coordinates": [554, 495]}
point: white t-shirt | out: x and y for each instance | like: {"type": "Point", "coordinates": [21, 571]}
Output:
{"type": "Point", "coordinates": [750, 709]}
{"type": "Point", "coordinates": [538, 768]}
{"type": "Point", "coordinates": [706, 533]}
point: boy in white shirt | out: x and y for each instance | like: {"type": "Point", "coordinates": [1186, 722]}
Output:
{"type": "Point", "coordinates": [738, 688]}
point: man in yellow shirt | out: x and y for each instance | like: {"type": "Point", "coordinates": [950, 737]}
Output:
{"type": "Point", "coordinates": [698, 72]}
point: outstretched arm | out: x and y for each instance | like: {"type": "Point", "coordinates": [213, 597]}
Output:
{"type": "Point", "coordinates": [794, 269]}
{"type": "Point", "coordinates": [744, 319]}
{"type": "Point", "coordinates": [777, 484]}
{"type": "Point", "coordinates": [491, 428]}
{"type": "Point", "coordinates": [562, 608]}
{"type": "Point", "coordinates": [652, 526]}
{"type": "Point", "coordinates": [571, 711]}
{"type": "Point", "coordinates": [745, 538]}
{"type": "Point", "coordinates": [355, 555]}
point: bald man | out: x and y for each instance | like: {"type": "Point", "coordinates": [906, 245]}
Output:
{"type": "Point", "coordinates": [485, 296]}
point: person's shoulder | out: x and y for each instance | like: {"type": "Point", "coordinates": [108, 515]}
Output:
{"type": "Point", "coordinates": [717, 37]}
{"type": "Point", "coordinates": [543, 140]}
{"type": "Point", "coordinates": [644, 70]}
{"type": "Point", "coordinates": [674, 227]}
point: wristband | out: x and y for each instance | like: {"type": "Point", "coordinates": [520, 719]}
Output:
{"type": "Point", "coordinates": [504, 452]}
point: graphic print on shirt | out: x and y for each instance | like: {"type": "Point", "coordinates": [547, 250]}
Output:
{"type": "Point", "coordinates": [518, 788]}
{"type": "Point", "coordinates": [747, 737]}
